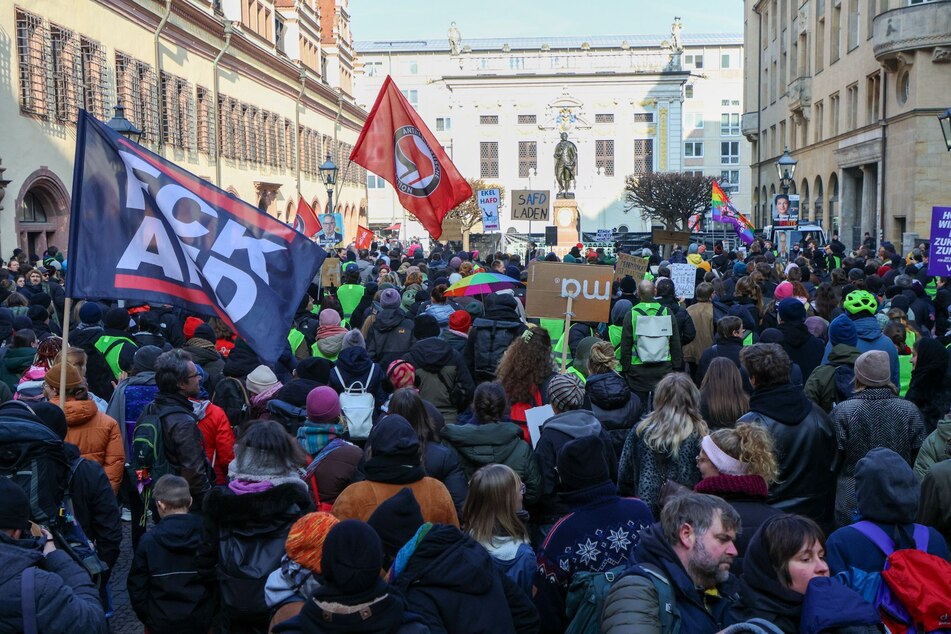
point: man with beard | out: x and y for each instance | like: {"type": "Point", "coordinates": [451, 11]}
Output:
{"type": "Point", "coordinates": [683, 571]}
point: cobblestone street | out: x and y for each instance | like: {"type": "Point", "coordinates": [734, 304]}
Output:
{"type": "Point", "coordinates": [124, 620]}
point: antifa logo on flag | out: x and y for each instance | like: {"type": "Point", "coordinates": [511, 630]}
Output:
{"type": "Point", "coordinates": [417, 168]}
{"type": "Point", "coordinates": [142, 228]}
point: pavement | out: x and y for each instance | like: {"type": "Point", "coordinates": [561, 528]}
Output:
{"type": "Point", "coordinates": [124, 620]}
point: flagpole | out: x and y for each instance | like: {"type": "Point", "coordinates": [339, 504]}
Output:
{"type": "Point", "coordinates": [68, 308]}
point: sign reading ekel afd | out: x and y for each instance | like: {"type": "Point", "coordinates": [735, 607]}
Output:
{"type": "Point", "coordinates": [550, 284]}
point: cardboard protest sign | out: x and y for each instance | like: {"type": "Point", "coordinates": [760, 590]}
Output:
{"type": "Point", "coordinates": [550, 284]}
{"type": "Point", "coordinates": [531, 204]}
{"type": "Point", "coordinates": [330, 274]}
{"type": "Point", "coordinates": [663, 236]}
{"type": "Point", "coordinates": [684, 277]}
{"type": "Point", "coordinates": [632, 265]}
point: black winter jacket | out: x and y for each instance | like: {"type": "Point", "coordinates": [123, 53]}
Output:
{"type": "Point", "coordinates": [615, 406]}
{"type": "Point", "coordinates": [354, 365]}
{"type": "Point", "coordinates": [184, 444]}
{"type": "Point", "coordinates": [390, 336]}
{"type": "Point", "coordinates": [490, 336]}
{"type": "Point", "coordinates": [95, 505]}
{"type": "Point", "coordinates": [803, 348]}
{"type": "Point", "coordinates": [166, 590]}
{"type": "Point", "coordinates": [685, 325]}
{"type": "Point", "coordinates": [438, 368]}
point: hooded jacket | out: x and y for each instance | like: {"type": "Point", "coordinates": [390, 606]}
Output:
{"type": "Point", "coordinates": [762, 594]}
{"type": "Point", "coordinates": [390, 336]}
{"type": "Point", "coordinates": [491, 335]}
{"type": "Point", "coordinates": [615, 406]}
{"type": "Point", "coordinates": [218, 437]}
{"type": "Point", "coordinates": [98, 437]}
{"type": "Point", "coordinates": [451, 582]}
{"type": "Point", "coordinates": [495, 443]}
{"type": "Point", "coordinates": [870, 337]}
{"type": "Point", "coordinates": [888, 492]}
{"type": "Point", "coordinates": [831, 606]}
{"type": "Point", "coordinates": [15, 363]}
{"type": "Point", "coordinates": [632, 606]}
{"type": "Point", "coordinates": [354, 365]}
{"type": "Point", "coordinates": [806, 447]}
{"type": "Point", "coordinates": [210, 361]}
{"type": "Point", "coordinates": [936, 447]}
{"type": "Point", "coordinates": [167, 591]}
{"type": "Point", "coordinates": [804, 349]}
{"type": "Point", "coordinates": [438, 367]}
{"type": "Point", "coordinates": [934, 506]}
{"type": "Point", "coordinates": [820, 388]}
{"type": "Point", "coordinates": [95, 506]}
{"type": "Point", "coordinates": [66, 599]}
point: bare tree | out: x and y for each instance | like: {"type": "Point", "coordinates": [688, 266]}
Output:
{"type": "Point", "coordinates": [668, 197]}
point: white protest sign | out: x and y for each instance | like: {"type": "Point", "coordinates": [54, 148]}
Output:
{"type": "Point", "coordinates": [605, 235]}
{"type": "Point", "coordinates": [535, 418]}
{"type": "Point", "coordinates": [684, 277]}
{"type": "Point", "coordinates": [489, 204]}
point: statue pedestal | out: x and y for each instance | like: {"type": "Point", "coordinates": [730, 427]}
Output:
{"type": "Point", "coordinates": [565, 217]}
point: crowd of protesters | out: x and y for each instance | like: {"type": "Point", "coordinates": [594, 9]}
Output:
{"type": "Point", "coordinates": [762, 457]}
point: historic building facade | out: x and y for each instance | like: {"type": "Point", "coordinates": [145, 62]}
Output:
{"type": "Point", "coordinates": [852, 88]}
{"type": "Point", "coordinates": [631, 104]}
{"type": "Point", "coordinates": [250, 94]}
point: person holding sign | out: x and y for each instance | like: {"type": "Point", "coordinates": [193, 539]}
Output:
{"type": "Point", "coordinates": [650, 343]}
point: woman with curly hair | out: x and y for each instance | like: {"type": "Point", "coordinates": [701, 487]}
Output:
{"type": "Point", "coordinates": [738, 465]}
{"type": "Point", "coordinates": [826, 304]}
{"type": "Point", "coordinates": [524, 372]}
{"type": "Point", "coordinates": [664, 445]}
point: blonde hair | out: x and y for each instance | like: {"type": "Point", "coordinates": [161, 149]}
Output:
{"type": "Point", "coordinates": [676, 416]}
{"type": "Point", "coordinates": [601, 359]}
{"type": "Point", "coordinates": [752, 445]}
{"type": "Point", "coordinates": [76, 357]}
{"type": "Point", "coordinates": [491, 505]}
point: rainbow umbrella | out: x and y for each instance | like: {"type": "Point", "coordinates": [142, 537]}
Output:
{"type": "Point", "coordinates": [480, 284]}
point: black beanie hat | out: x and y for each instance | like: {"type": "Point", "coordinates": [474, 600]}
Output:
{"type": "Point", "coordinates": [52, 416]}
{"type": "Point", "coordinates": [206, 332]}
{"type": "Point", "coordinates": [15, 510]}
{"type": "Point", "coordinates": [116, 319]}
{"type": "Point", "coordinates": [352, 557]}
{"type": "Point", "coordinates": [41, 299]}
{"type": "Point", "coordinates": [425, 326]}
{"type": "Point", "coordinates": [396, 521]}
{"type": "Point", "coordinates": [315, 369]}
{"type": "Point", "coordinates": [581, 463]}
{"type": "Point", "coordinates": [37, 313]}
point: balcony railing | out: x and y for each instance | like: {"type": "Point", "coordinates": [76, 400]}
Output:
{"type": "Point", "coordinates": [920, 26]}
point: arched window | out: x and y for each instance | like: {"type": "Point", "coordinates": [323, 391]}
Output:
{"type": "Point", "coordinates": [32, 209]}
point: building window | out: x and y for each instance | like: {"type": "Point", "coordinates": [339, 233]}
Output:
{"type": "Point", "coordinates": [693, 149]}
{"type": "Point", "coordinates": [730, 124]}
{"type": "Point", "coordinates": [872, 90]}
{"type": "Point", "coordinates": [644, 117]}
{"type": "Point", "coordinates": [516, 63]}
{"type": "Point", "coordinates": [32, 58]}
{"type": "Point", "coordinates": [375, 182]}
{"type": "Point", "coordinates": [730, 181]}
{"type": "Point", "coordinates": [725, 61]}
{"type": "Point", "coordinates": [643, 156]}
{"type": "Point", "coordinates": [783, 141]}
{"type": "Point", "coordinates": [836, 35]}
{"type": "Point", "coordinates": [693, 120]}
{"type": "Point", "coordinates": [818, 117]}
{"type": "Point", "coordinates": [527, 119]}
{"type": "Point", "coordinates": [443, 124]}
{"type": "Point", "coordinates": [688, 91]}
{"type": "Point", "coordinates": [852, 92]}
{"type": "Point", "coordinates": [834, 113]}
{"type": "Point", "coordinates": [489, 159]}
{"type": "Point", "coordinates": [203, 122]}
{"type": "Point", "coordinates": [62, 65]}
{"type": "Point", "coordinates": [693, 60]}
{"type": "Point", "coordinates": [527, 158]}
{"type": "Point", "coordinates": [372, 69]}
{"type": "Point", "coordinates": [176, 113]}
{"type": "Point", "coordinates": [412, 96]}
{"type": "Point", "coordinates": [137, 87]}
{"type": "Point", "coordinates": [604, 156]}
{"type": "Point", "coordinates": [729, 152]}
{"type": "Point", "coordinates": [31, 209]}
{"type": "Point", "coordinates": [904, 87]}
{"type": "Point", "coordinates": [607, 117]}
{"type": "Point", "coordinates": [854, 21]}
{"type": "Point", "coordinates": [489, 119]}
{"type": "Point", "coordinates": [697, 173]}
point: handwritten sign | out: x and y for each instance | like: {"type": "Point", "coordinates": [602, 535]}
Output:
{"type": "Point", "coordinates": [684, 277]}
{"type": "Point", "coordinates": [632, 265]}
{"type": "Point", "coordinates": [663, 236]}
{"type": "Point", "coordinates": [488, 200]}
{"type": "Point", "coordinates": [330, 274]}
{"type": "Point", "coordinates": [531, 204]}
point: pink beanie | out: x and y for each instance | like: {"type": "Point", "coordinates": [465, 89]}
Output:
{"type": "Point", "coordinates": [329, 317]}
{"type": "Point", "coordinates": [784, 290]}
{"type": "Point", "coordinates": [323, 405]}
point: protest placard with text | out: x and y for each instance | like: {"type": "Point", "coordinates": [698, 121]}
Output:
{"type": "Point", "coordinates": [550, 284]}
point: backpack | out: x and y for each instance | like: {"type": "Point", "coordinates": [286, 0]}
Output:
{"type": "Point", "coordinates": [34, 458]}
{"type": "Point", "coordinates": [246, 557]}
{"type": "Point", "coordinates": [458, 396]}
{"type": "Point", "coordinates": [588, 590]}
{"type": "Point", "coordinates": [844, 380]}
{"type": "Point", "coordinates": [913, 592]}
{"type": "Point", "coordinates": [357, 404]}
{"type": "Point", "coordinates": [652, 333]}
{"type": "Point", "coordinates": [308, 325]}
{"type": "Point", "coordinates": [71, 537]}
{"type": "Point", "coordinates": [231, 396]}
{"type": "Point", "coordinates": [290, 416]}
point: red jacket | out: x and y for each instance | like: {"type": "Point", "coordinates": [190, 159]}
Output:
{"type": "Point", "coordinates": [219, 438]}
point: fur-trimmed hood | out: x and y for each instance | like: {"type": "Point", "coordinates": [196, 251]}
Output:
{"type": "Point", "coordinates": [275, 504]}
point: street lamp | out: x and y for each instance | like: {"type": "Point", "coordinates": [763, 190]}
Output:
{"type": "Point", "coordinates": [786, 168]}
{"type": "Point", "coordinates": [328, 175]}
{"type": "Point", "coordinates": [945, 120]}
{"type": "Point", "coordinates": [123, 126]}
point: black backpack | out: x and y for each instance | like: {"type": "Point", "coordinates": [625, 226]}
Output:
{"type": "Point", "coordinates": [290, 416]}
{"type": "Point", "coordinates": [308, 325]}
{"type": "Point", "coordinates": [231, 396]}
{"type": "Point", "coordinates": [99, 376]}
{"type": "Point", "coordinates": [844, 378]}
{"type": "Point", "coordinates": [34, 458]}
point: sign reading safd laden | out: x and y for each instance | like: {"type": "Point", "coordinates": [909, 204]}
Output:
{"type": "Point", "coordinates": [550, 284]}
{"type": "Point", "coordinates": [531, 204]}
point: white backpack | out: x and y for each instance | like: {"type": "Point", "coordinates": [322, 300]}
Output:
{"type": "Point", "coordinates": [357, 405]}
{"type": "Point", "coordinates": [652, 334]}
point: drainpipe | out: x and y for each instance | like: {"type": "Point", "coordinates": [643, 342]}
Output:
{"type": "Point", "coordinates": [158, 66]}
{"type": "Point", "coordinates": [229, 27]}
{"type": "Point", "coordinates": [300, 96]}
{"type": "Point", "coordinates": [759, 108]}
{"type": "Point", "coordinates": [881, 175]}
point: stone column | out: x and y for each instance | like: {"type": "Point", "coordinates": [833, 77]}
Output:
{"type": "Point", "coordinates": [869, 199]}
{"type": "Point", "coordinates": [849, 216]}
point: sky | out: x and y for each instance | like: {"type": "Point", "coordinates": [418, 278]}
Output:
{"type": "Point", "coordinates": [386, 20]}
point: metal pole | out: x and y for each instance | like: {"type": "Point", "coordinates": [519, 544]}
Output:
{"type": "Point", "coordinates": [564, 347]}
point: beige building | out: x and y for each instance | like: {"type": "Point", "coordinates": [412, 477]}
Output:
{"type": "Point", "coordinates": [852, 88]}
{"type": "Point", "coordinates": [249, 94]}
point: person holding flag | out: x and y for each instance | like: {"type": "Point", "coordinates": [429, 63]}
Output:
{"type": "Point", "coordinates": [725, 212]}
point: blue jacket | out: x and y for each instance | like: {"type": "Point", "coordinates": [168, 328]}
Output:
{"type": "Point", "coordinates": [847, 548]}
{"type": "Point", "coordinates": [829, 605]}
{"type": "Point", "coordinates": [871, 338]}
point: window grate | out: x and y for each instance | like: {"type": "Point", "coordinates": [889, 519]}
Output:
{"type": "Point", "coordinates": [604, 118]}
{"type": "Point", "coordinates": [604, 156]}
{"type": "Point", "coordinates": [137, 86]}
{"type": "Point", "coordinates": [489, 159]}
{"type": "Point", "coordinates": [489, 119]}
{"type": "Point", "coordinates": [33, 59]}
{"type": "Point", "coordinates": [643, 156]}
{"type": "Point", "coordinates": [527, 158]}
{"type": "Point", "coordinates": [203, 119]}
{"type": "Point", "coordinates": [527, 119]}
{"type": "Point", "coordinates": [176, 111]}
{"type": "Point", "coordinates": [644, 117]}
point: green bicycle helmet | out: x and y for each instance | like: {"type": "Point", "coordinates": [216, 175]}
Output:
{"type": "Point", "coordinates": [857, 301]}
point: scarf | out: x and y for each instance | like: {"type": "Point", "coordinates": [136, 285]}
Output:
{"type": "Point", "coordinates": [406, 552]}
{"type": "Point", "coordinates": [260, 400]}
{"type": "Point", "coordinates": [392, 470]}
{"type": "Point", "coordinates": [204, 344]}
{"type": "Point", "coordinates": [724, 485]}
{"type": "Point", "coordinates": [329, 331]}
{"type": "Point", "coordinates": [241, 487]}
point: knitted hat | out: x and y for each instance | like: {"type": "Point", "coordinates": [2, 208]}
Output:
{"type": "Point", "coordinates": [353, 339]}
{"type": "Point", "coordinates": [475, 308]}
{"type": "Point", "coordinates": [37, 313]}
{"type": "Point", "coordinates": [628, 285]}
{"type": "Point", "coordinates": [455, 263]}
{"type": "Point", "coordinates": [144, 359]}
{"type": "Point", "coordinates": [352, 557]}
{"type": "Point", "coordinates": [791, 309]}
{"type": "Point", "coordinates": [425, 326]}
{"type": "Point", "coordinates": [52, 416]}
{"type": "Point", "coordinates": [581, 463]}
{"type": "Point", "coordinates": [329, 317]}
{"type": "Point", "coordinates": [460, 321]}
{"type": "Point", "coordinates": [116, 319]}
{"type": "Point", "coordinates": [842, 330]}
{"type": "Point", "coordinates": [692, 248]}
{"type": "Point", "coordinates": [73, 378]}
{"type": "Point", "coordinates": [772, 335]}
{"type": "Point", "coordinates": [315, 369]}
{"type": "Point", "coordinates": [818, 327]}
{"type": "Point", "coordinates": [15, 510]}
{"type": "Point", "coordinates": [390, 298]}
{"type": "Point", "coordinates": [90, 313]}
{"type": "Point", "coordinates": [872, 369]}
{"type": "Point", "coordinates": [305, 541]}
{"type": "Point", "coordinates": [41, 299]}
{"type": "Point", "coordinates": [205, 332]}
{"type": "Point", "coordinates": [191, 323]}
{"type": "Point", "coordinates": [783, 291]}
{"type": "Point", "coordinates": [401, 374]}
{"type": "Point", "coordinates": [565, 392]}
{"type": "Point", "coordinates": [739, 269]}
{"type": "Point", "coordinates": [261, 378]}
{"type": "Point", "coordinates": [396, 521]}
{"type": "Point", "coordinates": [323, 405]}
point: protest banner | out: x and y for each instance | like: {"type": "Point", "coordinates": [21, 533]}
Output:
{"type": "Point", "coordinates": [663, 236]}
{"type": "Point", "coordinates": [684, 277]}
{"type": "Point", "coordinates": [330, 274]}
{"type": "Point", "coordinates": [632, 265]}
{"type": "Point", "coordinates": [939, 253]}
{"type": "Point", "coordinates": [531, 204]}
{"type": "Point", "coordinates": [605, 235]}
{"type": "Point", "coordinates": [488, 200]}
{"type": "Point", "coordinates": [364, 238]}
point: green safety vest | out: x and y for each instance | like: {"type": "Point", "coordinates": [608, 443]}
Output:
{"type": "Point", "coordinates": [110, 347]}
{"type": "Point", "coordinates": [560, 344]}
{"type": "Point", "coordinates": [577, 373]}
{"type": "Point", "coordinates": [295, 337]}
{"type": "Point", "coordinates": [647, 309]}
{"type": "Point", "coordinates": [748, 338]}
{"type": "Point", "coordinates": [350, 296]}
{"type": "Point", "coordinates": [837, 260]}
{"type": "Point", "coordinates": [555, 327]}
{"type": "Point", "coordinates": [910, 339]}
{"type": "Point", "coordinates": [904, 373]}
{"type": "Point", "coordinates": [931, 288]}
{"type": "Point", "coordinates": [614, 334]}
{"type": "Point", "coordinates": [315, 351]}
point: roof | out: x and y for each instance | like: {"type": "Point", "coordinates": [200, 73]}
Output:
{"type": "Point", "coordinates": [555, 43]}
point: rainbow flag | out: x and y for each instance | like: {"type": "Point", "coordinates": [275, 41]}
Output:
{"type": "Point", "coordinates": [725, 212]}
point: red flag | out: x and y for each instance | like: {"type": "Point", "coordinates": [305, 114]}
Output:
{"type": "Point", "coordinates": [397, 146]}
{"type": "Point", "coordinates": [364, 237]}
{"type": "Point", "coordinates": [306, 221]}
